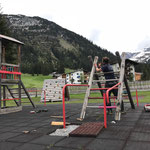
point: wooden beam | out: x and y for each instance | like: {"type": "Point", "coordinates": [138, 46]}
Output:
{"type": "Point", "coordinates": [96, 77]}
{"type": "Point", "coordinates": [19, 55]}
{"type": "Point", "coordinates": [19, 69]}
{"type": "Point", "coordinates": [126, 83]}
{"type": "Point", "coordinates": [3, 54]}
{"type": "Point", "coordinates": [83, 111]}
{"type": "Point", "coordinates": [120, 88]}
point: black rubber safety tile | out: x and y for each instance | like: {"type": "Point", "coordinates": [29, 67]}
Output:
{"type": "Point", "coordinates": [7, 135]}
{"type": "Point", "coordinates": [145, 116]}
{"type": "Point", "coordinates": [59, 148]}
{"type": "Point", "coordinates": [131, 145]}
{"type": "Point", "coordinates": [47, 140]}
{"type": "Point", "coordinates": [46, 130]}
{"type": "Point", "coordinates": [119, 128]}
{"type": "Point", "coordinates": [105, 144]}
{"type": "Point", "coordinates": [22, 129]}
{"type": "Point", "coordinates": [74, 142]}
{"type": "Point", "coordinates": [24, 137]}
{"type": "Point", "coordinates": [123, 123]}
{"type": "Point", "coordinates": [10, 123]}
{"type": "Point", "coordinates": [22, 124]}
{"type": "Point", "coordinates": [140, 136]}
{"type": "Point", "coordinates": [114, 134]}
{"type": "Point", "coordinates": [6, 129]}
{"type": "Point", "coordinates": [36, 125]}
{"type": "Point", "coordinates": [132, 115]}
{"type": "Point", "coordinates": [130, 118]}
{"type": "Point", "coordinates": [8, 145]}
{"type": "Point", "coordinates": [28, 146]}
{"type": "Point", "coordinates": [90, 129]}
{"type": "Point", "coordinates": [142, 128]}
{"type": "Point", "coordinates": [143, 122]}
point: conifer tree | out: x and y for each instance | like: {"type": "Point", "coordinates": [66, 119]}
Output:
{"type": "Point", "coordinates": [4, 29]}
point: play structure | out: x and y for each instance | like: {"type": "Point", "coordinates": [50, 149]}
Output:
{"type": "Point", "coordinates": [10, 75]}
{"type": "Point", "coordinates": [121, 86]}
{"type": "Point", "coordinates": [52, 90]}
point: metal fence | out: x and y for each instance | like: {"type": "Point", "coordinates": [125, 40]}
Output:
{"type": "Point", "coordinates": [140, 85]}
{"type": "Point", "coordinates": [36, 92]}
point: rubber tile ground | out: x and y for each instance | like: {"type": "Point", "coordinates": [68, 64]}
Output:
{"type": "Point", "coordinates": [26, 131]}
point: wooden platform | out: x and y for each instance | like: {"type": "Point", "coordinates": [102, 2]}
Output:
{"type": "Point", "coordinates": [10, 110]}
{"type": "Point", "coordinates": [90, 129]}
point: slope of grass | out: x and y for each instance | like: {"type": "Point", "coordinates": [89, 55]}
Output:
{"type": "Point", "coordinates": [34, 81]}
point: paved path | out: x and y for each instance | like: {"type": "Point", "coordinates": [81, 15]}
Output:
{"type": "Point", "coordinates": [132, 132]}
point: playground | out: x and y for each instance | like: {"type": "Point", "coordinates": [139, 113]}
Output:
{"type": "Point", "coordinates": [33, 127]}
{"type": "Point", "coordinates": [23, 130]}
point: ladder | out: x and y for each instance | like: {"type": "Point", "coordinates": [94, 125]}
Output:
{"type": "Point", "coordinates": [120, 89]}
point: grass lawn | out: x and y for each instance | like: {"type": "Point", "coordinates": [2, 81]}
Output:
{"type": "Point", "coordinates": [144, 97]}
{"type": "Point", "coordinates": [34, 81]}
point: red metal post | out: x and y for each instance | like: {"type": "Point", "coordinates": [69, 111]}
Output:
{"type": "Point", "coordinates": [44, 98]}
{"type": "Point", "coordinates": [105, 115]}
{"type": "Point", "coordinates": [64, 115]}
{"type": "Point", "coordinates": [137, 98]}
{"type": "Point", "coordinates": [63, 100]}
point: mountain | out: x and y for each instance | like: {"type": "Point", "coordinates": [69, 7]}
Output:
{"type": "Point", "coordinates": [141, 56]}
{"type": "Point", "coordinates": [50, 47]}
{"type": "Point", "coordinates": [130, 55]}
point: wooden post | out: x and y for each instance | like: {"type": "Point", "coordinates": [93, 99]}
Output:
{"type": "Point", "coordinates": [19, 69]}
{"type": "Point", "coordinates": [120, 88]}
{"type": "Point", "coordinates": [96, 76]}
{"type": "Point", "coordinates": [3, 54]}
{"type": "Point", "coordinates": [85, 103]}
{"type": "Point", "coordinates": [0, 69]}
{"type": "Point", "coordinates": [126, 84]}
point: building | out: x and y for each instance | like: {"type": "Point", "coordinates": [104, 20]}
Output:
{"type": "Point", "coordinates": [138, 76]}
{"type": "Point", "coordinates": [76, 77]}
{"type": "Point", "coordinates": [130, 69]}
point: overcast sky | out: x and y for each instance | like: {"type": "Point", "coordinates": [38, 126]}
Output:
{"type": "Point", "coordinates": [116, 25]}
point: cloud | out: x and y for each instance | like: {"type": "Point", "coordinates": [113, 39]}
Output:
{"type": "Point", "coordinates": [145, 43]}
{"type": "Point", "coordinates": [116, 25]}
{"type": "Point", "coordinates": [95, 35]}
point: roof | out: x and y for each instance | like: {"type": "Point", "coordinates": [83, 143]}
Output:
{"type": "Point", "coordinates": [127, 61]}
{"type": "Point", "coordinates": [131, 62]}
{"type": "Point", "coordinates": [4, 37]}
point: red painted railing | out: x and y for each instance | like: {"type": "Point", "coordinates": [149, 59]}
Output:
{"type": "Point", "coordinates": [107, 92]}
{"type": "Point", "coordinates": [9, 99]}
